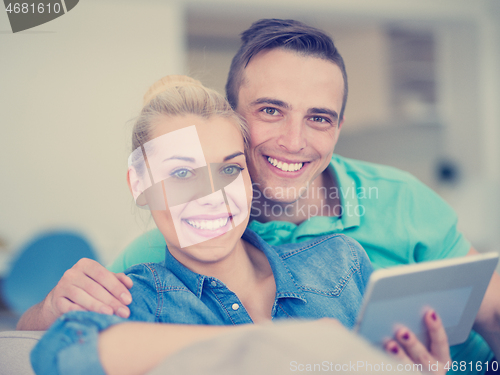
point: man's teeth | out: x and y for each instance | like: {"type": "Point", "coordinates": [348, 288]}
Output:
{"type": "Point", "coordinates": [208, 224]}
{"type": "Point", "coordinates": [292, 167]}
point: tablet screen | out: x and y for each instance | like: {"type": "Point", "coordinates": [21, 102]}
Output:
{"type": "Point", "coordinates": [400, 296]}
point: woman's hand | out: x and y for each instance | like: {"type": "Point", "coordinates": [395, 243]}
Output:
{"type": "Point", "coordinates": [409, 349]}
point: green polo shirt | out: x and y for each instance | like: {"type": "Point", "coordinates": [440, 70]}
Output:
{"type": "Point", "coordinates": [397, 219]}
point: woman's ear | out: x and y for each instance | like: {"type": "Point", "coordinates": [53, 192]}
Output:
{"type": "Point", "coordinates": [128, 180]}
{"type": "Point", "coordinates": [134, 185]}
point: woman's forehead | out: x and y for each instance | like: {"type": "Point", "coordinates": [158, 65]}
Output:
{"type": "Point", "coordinates": [180, 143]}
{"type": "Point", "coordinates": [207, 138]}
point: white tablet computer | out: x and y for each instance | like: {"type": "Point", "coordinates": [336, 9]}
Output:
{"type": "Point", "coordinates": [401, 295]}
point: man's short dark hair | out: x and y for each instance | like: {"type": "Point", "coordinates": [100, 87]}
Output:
{"type": "Point", "coordinates": [291, 35]}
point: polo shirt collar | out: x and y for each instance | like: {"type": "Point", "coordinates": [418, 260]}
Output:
{"type": "Point", "coordinates": [347, 190]}
{"type": "Point", "coordinates": [278, 232]}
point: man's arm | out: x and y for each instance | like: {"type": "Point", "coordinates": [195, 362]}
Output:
{"type": "Point", "coordinates": [87, 286]}
{"type": "Point", "coordinates": [487, 322]}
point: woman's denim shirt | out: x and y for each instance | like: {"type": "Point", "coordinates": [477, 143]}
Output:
{"type": "Point", "coordinates": [324, 277]}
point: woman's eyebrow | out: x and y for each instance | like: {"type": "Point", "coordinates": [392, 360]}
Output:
{"type": "Point", "coordinates": [183, 158]}
{"type": "Point", "coordinates": [233, 155]}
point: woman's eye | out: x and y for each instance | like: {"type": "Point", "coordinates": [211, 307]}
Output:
{"type": "Point", "coordinates": [181, 173]}
{"type": "Point", "coordinates": [231, 170]}
{"type": "Point", "coordinates": [270, 111]}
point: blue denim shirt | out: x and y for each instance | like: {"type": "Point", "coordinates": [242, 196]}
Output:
{"type": "Point", "coordinates": [324, 277]}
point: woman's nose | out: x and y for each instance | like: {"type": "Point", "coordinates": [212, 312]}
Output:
{"type": "Point", "coordinates": [215, 199]}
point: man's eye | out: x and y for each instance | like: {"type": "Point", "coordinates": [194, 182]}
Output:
{"type": "Point", "coordinates": [231, 170]}
{"type": "Point", "coordinates": [182, 173]}
{"type": "Point", "coordinates": [270, 111]}
{"type": "Point", "coordinates": [319, 119]}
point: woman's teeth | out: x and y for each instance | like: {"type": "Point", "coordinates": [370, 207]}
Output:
{"type": "Point", "coordinates": [292, 167]}
{"type": "Point", "coordinates": [208, 224]}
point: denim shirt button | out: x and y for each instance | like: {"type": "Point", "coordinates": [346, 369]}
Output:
{"type": "Point", "coordinates": [235, 306]}
{"type": "Point", "coordinates": [213, 283]}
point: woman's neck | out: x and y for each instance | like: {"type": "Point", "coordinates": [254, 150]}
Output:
{"type": "Point", "coordinates": [243, 264]}
{"type": "Point", "coordinates": [246, 272]}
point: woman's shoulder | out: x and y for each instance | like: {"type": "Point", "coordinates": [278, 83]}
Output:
{"type": "Point", "coordinates": [331, 246]}
{"type": "Point", "coordinates": [155, 274]}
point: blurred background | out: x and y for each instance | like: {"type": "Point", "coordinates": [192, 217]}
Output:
{"type": "Point", "coordinates": [424, 81]}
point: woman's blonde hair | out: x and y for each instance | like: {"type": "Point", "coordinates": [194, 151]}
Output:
{"type": "Point", "coordinates": [178, 95]}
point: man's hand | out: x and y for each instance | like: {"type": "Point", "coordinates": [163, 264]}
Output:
{"type": "Point", "coordinates": [487, 322]}
{"type": "Point", "coordinates": [87, 286]}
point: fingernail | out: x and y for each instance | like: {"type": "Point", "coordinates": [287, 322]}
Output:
{"type": "Point", "coordinates": [395, 349]}
{"type": "Point", "coordinates": [406, 336]}
{"type": "Point", "coordinates": [126, 298]}
{"type": "Point", "coordinates": [123, 312]}
{"type": "Point", "coordinates": [106, 310]}
{"type": "Point", "coordinates": [434, 316]}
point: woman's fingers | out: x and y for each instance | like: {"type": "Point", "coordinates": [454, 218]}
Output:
{"type": "Point", "coordinates": [408, 348]}
{"type": "Point", "coordinates": [438, 339]}
{"type": "Point", "coordinates": [394, 349]}
{"type": "Point", "coordinates": [415, 350]}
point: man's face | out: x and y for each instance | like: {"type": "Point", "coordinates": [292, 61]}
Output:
{"type": "Point", "coordinates": [292, 105]}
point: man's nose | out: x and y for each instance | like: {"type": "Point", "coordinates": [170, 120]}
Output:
{"type": "Point", "coordinates": [292, 137]}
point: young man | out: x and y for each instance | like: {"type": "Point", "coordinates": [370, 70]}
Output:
{"type": "Point", "coordinates": [289, 82]}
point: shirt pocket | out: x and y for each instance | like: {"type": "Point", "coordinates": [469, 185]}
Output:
{"type": "Point", "coordinates": [326, 266]}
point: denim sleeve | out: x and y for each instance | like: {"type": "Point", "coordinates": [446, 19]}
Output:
{"type": "Point", "coordinates": [70, 346]}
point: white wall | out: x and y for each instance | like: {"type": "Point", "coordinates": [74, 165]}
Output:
{"type": "Point", "coordinates": [68, 89]}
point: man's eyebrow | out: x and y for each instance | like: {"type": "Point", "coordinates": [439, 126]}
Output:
{"type": "Point", "coordinates": [183, 158]}
{"type": "Point", "coordinates": [326, 111]}
{"type": "Point", "coordinates": [271, 101]}
{"type": "Point", "coordinates": [233, 155]}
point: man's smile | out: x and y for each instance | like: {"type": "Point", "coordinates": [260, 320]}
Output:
{"type": "Point", "coordinates": [285, 166]}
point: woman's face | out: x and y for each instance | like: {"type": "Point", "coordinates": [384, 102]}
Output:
{"type": "Point", "coordinates": [201, 193]}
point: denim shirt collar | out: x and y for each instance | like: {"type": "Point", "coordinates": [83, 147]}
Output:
{"type": "Point", "coordinates": [286, 286]}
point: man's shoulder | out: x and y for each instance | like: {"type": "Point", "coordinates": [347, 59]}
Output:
{"type": "Point", "coordinates": [147, 248]}
{"type": "Point", "coordinates": [371, 171]}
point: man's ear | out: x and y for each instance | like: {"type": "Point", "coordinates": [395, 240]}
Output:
{"type": "Point", "coordinates": [341, 122]}
{"type": "Point", "coordinates": [337, 134]}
